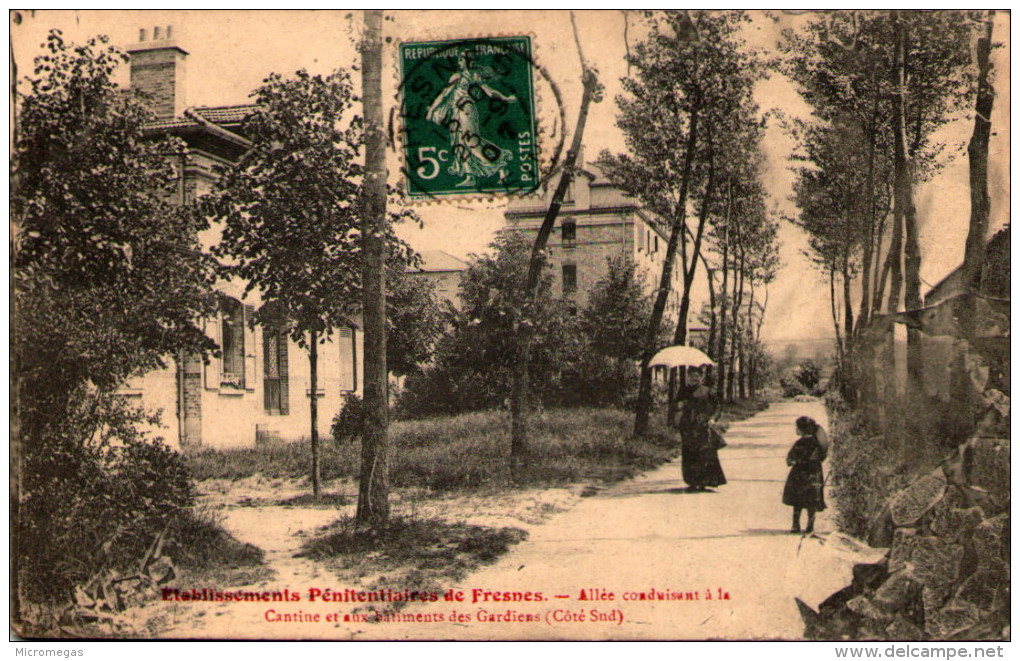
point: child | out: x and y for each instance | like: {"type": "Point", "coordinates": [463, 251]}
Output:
{"type": "Point", "coordinates": [804, 484]}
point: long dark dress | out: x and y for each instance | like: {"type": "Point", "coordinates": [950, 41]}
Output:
{"type": "Point", "coordinates": [699, 457]}
{"type": "Point", "coordinates": [804, 485]}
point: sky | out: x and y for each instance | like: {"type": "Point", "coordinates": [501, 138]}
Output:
{"type": "Point", "coordinates": [231, 51]}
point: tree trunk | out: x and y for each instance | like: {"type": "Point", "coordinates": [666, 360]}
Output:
{"type": "Point", "coordinates": [724, 302]}
{"type": "Point", "coordinates": [519, 385]}
{"type": "Point", "coordinates": [644, 401]}
{"type": "Point", "coordinates": [313, 409]}
{"type": "Point", "coordinates": [690, 269]}
{"type": "Point", "coordinates": [373, 491]}
{"type": "Point", "coordinates": [868, 215]}
{"type": "Point", "coordinates": [840, 349]}
{"type": "Point", "coordinates": [980, 204]}
{"type": "Point", "coordinates": [737, 339]}
{"type": "Point", "coordinates": [712, 317]}
{"type": "Point", "coordinates": [905, 199]}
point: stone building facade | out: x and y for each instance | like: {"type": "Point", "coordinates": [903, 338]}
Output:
{"type": "Point", "coordinates": [597, 222]}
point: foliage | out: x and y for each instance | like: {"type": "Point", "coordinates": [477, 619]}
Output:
{"type": "Point", "coordinates": [808, 374]}
{"type": "Point", "coordinates": [862, 469]}
{"type": "Point", "coordinates": [414, 321]}
{"type": "Point", "coordinates": [617, 312]}
{"type": "Point", "coordinates": [474, 360]}
{"type": "Point", "coordinates": [349, 421]}
{"type": "Point", "coordinates": [108, 281]}
{"type": "Point", "coordinates": [289, 207]}
{"type": "Point", "coordinates": [107, 275]}
{"type": "Point", "coordinates": [693, 86]}
{"type": "Point", "coordinates": [97, 504]}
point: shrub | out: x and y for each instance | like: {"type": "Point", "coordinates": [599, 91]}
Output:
{"type": "Point", "coordinates": [791, 386]}
{"type": "Point", "coordinates": [97, 503]}
{"type": "Point", "coordinates": [349, 422]}
{"type": "Point", "coordinates": [863, 470]}
{"type": "Point", "coordinates": [808, 374]}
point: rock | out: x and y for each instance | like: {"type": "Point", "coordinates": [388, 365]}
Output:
{"type": "Point", "coordinates": [987, 466]}
{"type": "Point", "coordinates": [897, 591]}
{"type": "Point", "coordinates": [989, 541]}
{"type": "Point", "coordinates": [868, 577]}
{"type": "Point", "coordinates": [954, 523]}
{"type": "Point", "coordinates": [864, 607]}
{"type": "Point", "coordinates": [983, 586]}
{"type": "Point", "coordinates": [83, 598]}
{"type": "Point", "coordinates": [902, 543]}
{"type": "Point", "coordinates": [909, 505]}
{"type": "Point", "coordinates": [882, 529]}
{"type": "Point", "coordinates": [954, 617]}
{"type": "Point", "coordinates": [933, 561]}
{"type": "Point", "coordinates": [837, 601]}
{"type": "Point", "coordinates": [903, 629]}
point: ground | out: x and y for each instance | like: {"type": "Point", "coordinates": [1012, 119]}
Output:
{"type": "Point", "coordinates": [710, 565]}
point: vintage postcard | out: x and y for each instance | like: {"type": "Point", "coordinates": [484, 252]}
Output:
{"type": "Point", "coordinates": [511, 325]}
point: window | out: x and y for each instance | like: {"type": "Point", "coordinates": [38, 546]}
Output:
{"type": "Point", "coordinates": [656, 243]}
{"type": "Point", "coordinates": [276, 381]}
{"type": "Point", "coordinates": [569, 278]}
{"type": "Point", "coordinates": [568, 234]}
{"type": "Point", "coordinates": [232, 339]}
{"type": "Point", "coordinates": [346, 338]}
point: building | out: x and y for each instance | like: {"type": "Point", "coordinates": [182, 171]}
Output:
{"type": "Point", "coordinates": [443, 270]}
{"type": "Point", "coordinates": [260, 386]}
{"type": "Point", "coordinates": [598, 221]}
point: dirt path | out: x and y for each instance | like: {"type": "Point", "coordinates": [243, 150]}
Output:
{"type": "Point", "coordinates": [649, 535]}
{"type": "Point", "coordinates": [644, 536]}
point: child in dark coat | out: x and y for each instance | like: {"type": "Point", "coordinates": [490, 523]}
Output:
{"type": "Point", "coordinates": [805, 483]}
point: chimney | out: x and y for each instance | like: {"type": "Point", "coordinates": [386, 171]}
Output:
{"type": "Point", "coordinates": [157, 70]}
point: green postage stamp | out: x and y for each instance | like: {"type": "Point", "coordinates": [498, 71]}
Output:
{"type": "Point", "coordinates": [468, 113]}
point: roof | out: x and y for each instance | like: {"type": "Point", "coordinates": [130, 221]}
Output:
{"type": "Point", "coordinates": [226, 114]}
{"type": "Point", "coordinates": [222, 115]}
{"type": "Point", "coordinates": [440, 260]}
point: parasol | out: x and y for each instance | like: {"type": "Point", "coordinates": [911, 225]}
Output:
{"type": "Point", "coordinates": [680, 355]}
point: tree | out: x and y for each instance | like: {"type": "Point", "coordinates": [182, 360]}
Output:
{"type": "Point", "coordinates": [291, 226]}
{"type": "Point", "coordinates": [980, 204]}
{"type": "Point", "coordinates": [476, 358]}
{"type": "Point", "coordinates": [414, 322]}
{"type": "Point", "coordinates": [688, 78]}
{"type": "Point", "coordinates": [591, 92]}
{"type": "Point", "coordinates": [895, 78]}
{"type": "Point", "coordinates": [617, 312]}
{"type": "Point", "coordinates": [373, 490]}
{"type": "Point", "coordinates": [108, 282]}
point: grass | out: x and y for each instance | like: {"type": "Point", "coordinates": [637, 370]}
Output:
{"type": "Point", "coordinates": [469, 452]}
{"type": "Point", "coordinates": [417, 555]}
{"type": "Point", "coordinates": [210, 555]}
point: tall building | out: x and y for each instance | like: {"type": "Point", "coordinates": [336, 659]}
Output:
{"type": "Point", "coordinates": [260, 386]}
{"type": "Point", "coordinates": [598, 221]}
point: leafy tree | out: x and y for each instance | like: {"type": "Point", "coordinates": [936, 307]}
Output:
{"type": "Point", "coordinates": [107, 282]}
{"type": "Point", "coordinates": [289, 209]}
{"type": "Point", "coordinates": [894, 77]}
{"type": "Point", "coordinates": [689, 79]}
{"type": "Point", "coordinates": [617, 312]}
{"type": "Point", "coordinates": [475, 360]}
{"type": "Point", "coordinates": [414, 321]}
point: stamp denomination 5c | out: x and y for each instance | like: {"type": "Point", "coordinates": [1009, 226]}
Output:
{"type": "Point", "coordinates": [468, 110]}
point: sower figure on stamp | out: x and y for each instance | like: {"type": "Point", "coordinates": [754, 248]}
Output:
{"type": "Point", "coordinates": [699, 449]}
{"type": "Point", "coordinates": [455, 109]}
{"type": "Point", "coordinates": [805, 485]}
